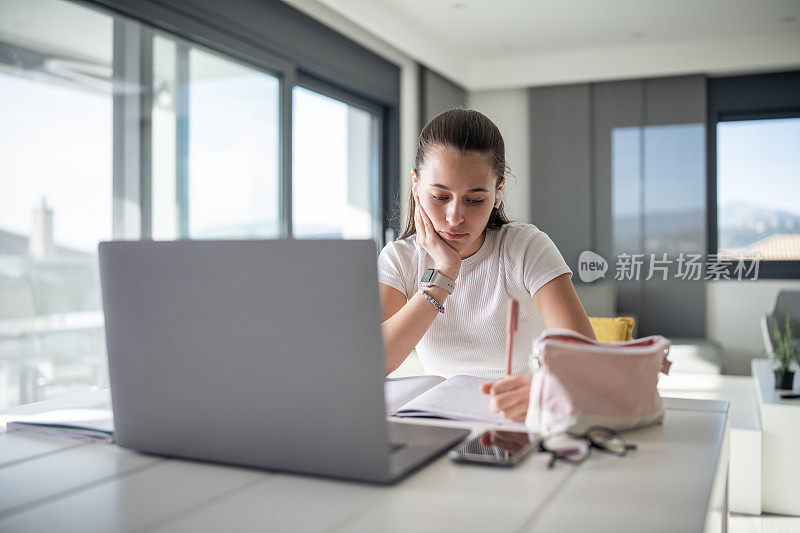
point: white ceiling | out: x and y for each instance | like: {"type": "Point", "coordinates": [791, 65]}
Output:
{"type": "Point", "coordinates": [491, 44]}
{"type": "Point", "coordinates": [476, 42]}
{"type": "Point", "coordinates": [489, 28]}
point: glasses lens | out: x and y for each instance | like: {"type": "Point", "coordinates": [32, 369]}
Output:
{"type": "Point", "coordinates": [607, 440]}
{"type": "Point", "coordinates": [566, 447]}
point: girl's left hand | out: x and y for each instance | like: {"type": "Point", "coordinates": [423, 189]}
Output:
{"type": "Point", "coordinates": [509, 396]}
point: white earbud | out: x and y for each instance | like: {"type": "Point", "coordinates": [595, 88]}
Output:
{"type": "Point", "coordinates": [498, 199]}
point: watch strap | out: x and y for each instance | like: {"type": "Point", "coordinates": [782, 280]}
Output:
{"type": "Point", "coordinates": [434, 277]}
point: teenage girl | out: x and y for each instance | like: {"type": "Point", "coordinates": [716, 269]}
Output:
{"type": "Point", "coordinates": [446, 282]}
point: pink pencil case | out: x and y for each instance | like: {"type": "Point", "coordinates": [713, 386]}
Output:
{"type": "Point", "coordinates": [579, 382]}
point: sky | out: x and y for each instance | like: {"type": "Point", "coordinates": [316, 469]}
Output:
{"type": "Point", "coordinates": [758, 162]}
{"type": "Point", "coordinates": [55, 143]}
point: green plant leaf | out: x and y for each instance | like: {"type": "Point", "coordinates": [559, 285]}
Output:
{"type": "Point", "coordinates": [784, 354]}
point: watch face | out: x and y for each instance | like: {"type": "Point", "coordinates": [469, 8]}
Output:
{"type": "Point", "coordinates": [426, 277]}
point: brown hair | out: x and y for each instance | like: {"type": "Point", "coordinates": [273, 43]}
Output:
{"type": "Point", "coordinates": [467, 131]}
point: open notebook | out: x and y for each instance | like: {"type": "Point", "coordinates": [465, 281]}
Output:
{"type": "Point", "coordinates": [90, 421]}
{"type": "Point", "coordinates": [456, 398]}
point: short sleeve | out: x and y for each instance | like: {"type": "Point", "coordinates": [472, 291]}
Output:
{"type": "Point", "coordinates": [391, 268]}
{"type": "Point", "coordinates": [541, 261]}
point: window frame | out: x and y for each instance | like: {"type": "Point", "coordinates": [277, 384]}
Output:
{"type": "Point", "coordinates": [227, 29]}
{"type": "Point", "coordinates": [741, 98]}
{"type": "Point", "coordinates": [323, 88]}
{"type": "Point", "coordinates": [184, 47]}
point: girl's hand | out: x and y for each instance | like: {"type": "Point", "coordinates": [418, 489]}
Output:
{"type": "Point", "coordinates": [445, 257]}
{"type": "Point", "coordinates": [509, 396]}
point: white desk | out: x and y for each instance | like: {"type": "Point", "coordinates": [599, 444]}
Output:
{"type": "Point", "coordinates": [744, 485]}
{"type": "Point", "coordinates": [675, 481]}
{"type": "Point", "coordinates": [779, 419]}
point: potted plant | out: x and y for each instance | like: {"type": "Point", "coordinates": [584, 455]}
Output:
{"type": "Point", "coordinates": [784, 355]}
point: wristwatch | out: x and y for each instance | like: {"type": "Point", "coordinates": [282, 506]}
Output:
{"type": "Point", "coordinates": [434, 277]}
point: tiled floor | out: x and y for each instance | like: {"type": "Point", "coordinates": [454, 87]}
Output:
{"type": "Point", "coordinates": [763, 524]}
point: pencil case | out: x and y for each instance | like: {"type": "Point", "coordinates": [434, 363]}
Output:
{"type": "Point", "coordinates": [579, 382]}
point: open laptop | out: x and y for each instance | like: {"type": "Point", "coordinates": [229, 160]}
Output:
{"type": "Point", "coordinates": [258, 353]}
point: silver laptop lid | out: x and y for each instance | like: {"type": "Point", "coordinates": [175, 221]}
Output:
{"type": "Point", "coordinates": [262, 353]}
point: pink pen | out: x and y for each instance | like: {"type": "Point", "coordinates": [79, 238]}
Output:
{"type": "Point", "coordinates": [511, 327]}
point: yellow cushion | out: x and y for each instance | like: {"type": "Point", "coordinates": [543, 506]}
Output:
{"type": "Point", "coordinates": [612, 329]}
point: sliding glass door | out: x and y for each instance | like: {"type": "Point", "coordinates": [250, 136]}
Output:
{"type": "Point", "coordinates": [334, 168]}
{"type": "Point", "coordinates": [114, 129]}
{"type": "Point", "coordinates": [215, 146]}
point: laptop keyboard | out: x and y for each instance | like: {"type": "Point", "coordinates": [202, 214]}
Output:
{"type": "Point", "coordinates": [395, 447]}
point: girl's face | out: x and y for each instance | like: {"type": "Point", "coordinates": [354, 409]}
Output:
{"type": "Point", "coordinates": [457, 192]}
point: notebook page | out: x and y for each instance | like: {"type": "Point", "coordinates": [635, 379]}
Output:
{"type": "Point", "coordinates": [73, 432]}
{"type": "Point", "coordinates": [458, 398]}
{"type": "Point", "coordinates": [88, 422]}
{"type": "Point", "coordinates": [398, 391]}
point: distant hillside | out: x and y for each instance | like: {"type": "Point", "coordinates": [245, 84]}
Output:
{"type": "Point", "coordinates": [262, 229]}
{"type": "Point", "coordinates": [742, 224]}
{"type": "Point", "coordinates": [681, 231]}
{"type": "Point", "coordinates": [16, 244]}
{"type": "Point", "coordinates": [739, 226]}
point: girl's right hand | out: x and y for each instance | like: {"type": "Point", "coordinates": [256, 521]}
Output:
{"type": "Point", "coordinates": [445, 257]}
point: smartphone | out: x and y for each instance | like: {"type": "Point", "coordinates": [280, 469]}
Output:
{"type": "Point", "coordinates": [494, 448]}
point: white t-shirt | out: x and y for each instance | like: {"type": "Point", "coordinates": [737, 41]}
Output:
{"type": "Point", "coordinates": [470, 336]}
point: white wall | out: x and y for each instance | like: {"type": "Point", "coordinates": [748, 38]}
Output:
{"type": "Point", "coordinates": [509, 110]}
{"type": "Point", "coordinates": [733, 317]}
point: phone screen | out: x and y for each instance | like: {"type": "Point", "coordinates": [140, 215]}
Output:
{"type": "Point", "coordinates": [494, 447]}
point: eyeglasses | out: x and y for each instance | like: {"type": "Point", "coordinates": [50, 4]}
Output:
{"type": "Point", "coordinates": [576, 449]}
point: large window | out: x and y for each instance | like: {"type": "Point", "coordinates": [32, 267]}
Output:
{"type": "Point", "coordinates": [758, 188]}
{"type": "Point", "coordinates": [334, 159]}
{"type": "Point", "coordinates": [55, 197]}
{"type": "Point", "coordinates": [754, 172]}
{"type": "Point", "coordinates": [215, 145]}
{"type": "Point", "coordinates": [113, 128]}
